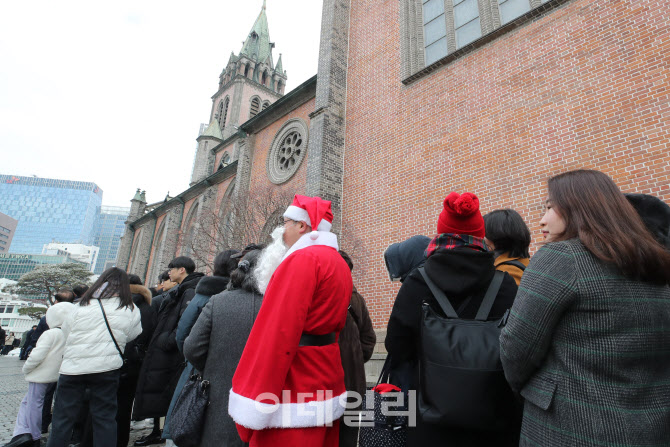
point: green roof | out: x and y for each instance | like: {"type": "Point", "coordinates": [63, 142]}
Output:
{"type": "Point", "coordinates": [257, 45]}
{"type": "Point", "coordinates": [280, 67]}
{"type": "Point", "coordinates": [213, 130]}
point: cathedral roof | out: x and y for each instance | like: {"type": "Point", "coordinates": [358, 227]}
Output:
{"type": "Point", "coordinates": [257, 46]}
{"type": "Point", "coordinates": [213, 130]}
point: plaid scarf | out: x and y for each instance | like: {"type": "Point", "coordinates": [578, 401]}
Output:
{"type": "Point", "coordinates": [450, 241]}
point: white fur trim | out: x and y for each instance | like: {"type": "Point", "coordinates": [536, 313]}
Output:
{"type": "Point", "coordinates": [323, 238]}
{"type": "Point", "coordinates": [259, 416]}
{"type": "Point", "coordinates": [300, 215]}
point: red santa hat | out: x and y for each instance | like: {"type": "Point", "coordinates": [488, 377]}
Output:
{"type": "Point", "coordinates": [314, 211]}
{"type": "Point", "coordinates": [461, 215]}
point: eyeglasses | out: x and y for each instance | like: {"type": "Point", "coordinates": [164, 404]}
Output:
{"type": "Point", "coordinates": [285, 221]}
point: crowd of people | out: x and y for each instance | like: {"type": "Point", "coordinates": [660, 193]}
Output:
{"type": "Point", "coordinates": [280, 334]}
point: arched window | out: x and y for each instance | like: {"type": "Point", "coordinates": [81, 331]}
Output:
{"type": "Point", "coordinates": [264, 78]}
{"type": "Point", "coordinates": [156, 266]}
{"type": "Point", "coordinates": [246, 70]}
{"type": "Point", "coordinates": [226, 229]}
{"type": "Point", "coordinates": [223, 112]}
{"type": "Point", "coordinates": [266, 104]}
{"type": "Point", "coordinates": [280, 86]}
{"type": "Point", "coordinates": [255, 107]}
{"type": "Point", "coordinates": [188, 239]}
{"type": "Point", "coordinates": [132, 265]}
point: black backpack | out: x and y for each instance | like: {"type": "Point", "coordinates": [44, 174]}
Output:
{"type": "Point", "coordinates": [462, 384]}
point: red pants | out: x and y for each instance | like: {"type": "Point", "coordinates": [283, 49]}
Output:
{"type": "Point", "coordinates": [297, 437]}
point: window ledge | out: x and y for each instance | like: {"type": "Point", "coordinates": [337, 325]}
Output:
{"type": "Point", "coordinates": [514, 24]}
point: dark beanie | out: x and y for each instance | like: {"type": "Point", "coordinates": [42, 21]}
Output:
{"type": "Point", "coordinates": [461, 215]}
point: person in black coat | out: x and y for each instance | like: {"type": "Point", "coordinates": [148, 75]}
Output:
{"type": "Point", "coordinates": [459, 263]}
{"type": "Point", "coordinates": [163, 362]}
{"type": "Point", "coordinates": [135, 352]}
{"type": "Point", "coordinates": [27, 343]}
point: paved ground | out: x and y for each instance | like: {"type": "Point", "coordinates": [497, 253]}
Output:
{"type": "Point", "coordinates": [12, 389]}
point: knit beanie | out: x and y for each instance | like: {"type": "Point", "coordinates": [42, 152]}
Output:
{"type": "Point", "coordinates": [461, 215]}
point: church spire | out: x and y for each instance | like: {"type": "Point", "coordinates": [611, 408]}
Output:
{"type": "Point", "coordinates": [279, 68]}
{"type": "Point", "coordinates": [257, 45]}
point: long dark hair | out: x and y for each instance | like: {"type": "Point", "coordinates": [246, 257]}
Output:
{"type": "Point", "coordinates": [508, 232]}
{"type": "Point", "coordinates": [242, 277]}
{"type": "Point", "coordinates": [112, 283]}
{"type": "Point", "coordinates": [595, 211]}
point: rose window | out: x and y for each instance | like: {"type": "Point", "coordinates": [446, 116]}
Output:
{"type": "Point", "coordinates": [287, 151]}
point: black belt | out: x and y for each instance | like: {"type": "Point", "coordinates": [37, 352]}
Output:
{"type": "Point", "coordinates": [317, 340]}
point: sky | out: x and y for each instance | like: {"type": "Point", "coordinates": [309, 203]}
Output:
{"type": "Point", "coordinates": [113, 92]}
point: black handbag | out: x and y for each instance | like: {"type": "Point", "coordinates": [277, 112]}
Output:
{"type": "Point", "coordinates": [188, 414]}
{"type": "Point", "coordinates": [462, 383]}
{"type": "Point", "coordinates": [379, 429]}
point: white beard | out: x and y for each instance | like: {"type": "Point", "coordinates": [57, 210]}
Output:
{"type": "Point", "coordinates": [270, 259]}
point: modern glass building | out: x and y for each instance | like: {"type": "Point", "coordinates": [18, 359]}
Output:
{"type": "Point", "coordinates": [13, 266]}
{"type": "Point", "coordinates": [109, 230]}
{"type": "Point", "coordinates": [49, 210]}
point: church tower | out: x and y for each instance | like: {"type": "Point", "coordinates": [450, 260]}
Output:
{"type": "Point", "coordinates": [250, 82]}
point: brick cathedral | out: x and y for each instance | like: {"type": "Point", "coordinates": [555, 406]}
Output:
{"type": "Point", "coordinates": [413, 99]}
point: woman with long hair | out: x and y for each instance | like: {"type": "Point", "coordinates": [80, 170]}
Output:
{"type": "Point", "coordinates": [586, 342]}
{"type": "Point", "coordinates": [96, 334]}
{"type": "Point", "coordinates": [508, 236]}
{"type": "Point", "coordinates": [215, 346]}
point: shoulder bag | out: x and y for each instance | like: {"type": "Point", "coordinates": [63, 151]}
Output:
{"type": "Point", "coordinates": [378, 429]}
{"type": "Point", "coordinates": [104, 315]}
{"type": "Point", "coordinates": [188, 415]}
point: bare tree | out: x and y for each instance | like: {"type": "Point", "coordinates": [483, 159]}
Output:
{"type": "Point", "coordinates": [353, 244]}
{"type": "Point", "coordinates": [235, 223]}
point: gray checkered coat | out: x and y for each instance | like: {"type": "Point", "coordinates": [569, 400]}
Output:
{"type": "Point", "coordinates": [589, 350]}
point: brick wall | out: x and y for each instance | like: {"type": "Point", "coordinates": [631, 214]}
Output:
{"type": "Point", "coordinates": [583, 86]}
{"type": "Point", "coordinates": [262, 141]}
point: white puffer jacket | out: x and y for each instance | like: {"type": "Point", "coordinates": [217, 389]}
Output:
{"type": "Point", "coordinates": [89, 347]}
{"type": "Point", "coordinates": [45, 359]}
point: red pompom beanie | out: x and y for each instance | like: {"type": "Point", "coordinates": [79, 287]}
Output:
{"type": "Point", "coordinates": [461, 215]}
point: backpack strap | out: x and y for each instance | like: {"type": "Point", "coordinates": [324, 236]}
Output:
{"type": "Point", "coordinates": [516, 263]}
{"type": "Point", "coordinates": [489, 298]}
{"type": "Point", "coordinates": [441, 298]}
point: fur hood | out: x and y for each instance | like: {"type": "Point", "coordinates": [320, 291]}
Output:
{"type": "Point", "coordinates": [141, 290]}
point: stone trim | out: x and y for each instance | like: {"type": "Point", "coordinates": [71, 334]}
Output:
{"type": "Point", "coordinates": [411, 37]}
{"type": "Point", "coordinates": [241, 76]}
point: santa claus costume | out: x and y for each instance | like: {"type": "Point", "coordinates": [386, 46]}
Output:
{"type": "Point", "coordinates": [288, 389]}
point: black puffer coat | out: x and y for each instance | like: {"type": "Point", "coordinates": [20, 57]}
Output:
{"type": "Point", "coordinates": [460, 273]}
{"type": "Point", "coordinates": [136, 350]}
{"type": "Point", "coordinates": [163, 362]}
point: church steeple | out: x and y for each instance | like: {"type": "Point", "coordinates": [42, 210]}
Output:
{"type": "Point", "coordinates": [255, 61]}
{"type": "Point", "coordinates": [257, 45]}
